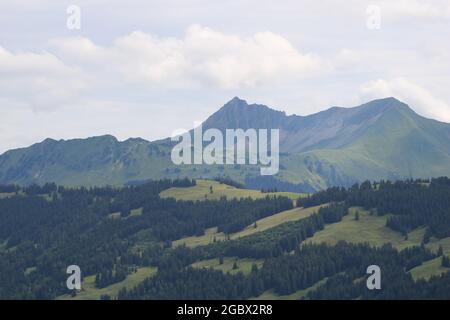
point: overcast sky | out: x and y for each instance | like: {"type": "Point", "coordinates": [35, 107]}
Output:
{"type": "Point", "coordinates": [147, 68]}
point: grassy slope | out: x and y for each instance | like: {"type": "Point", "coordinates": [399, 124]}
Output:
{"type": "Point", "coordinates": [300, 294]}
{"type": "Point", "coordinates": [197, 192]}
{"type": "Point", "coordinates": [369, 229]}
{"type": "Point", "coordinates": [398, 145]}
{"type": "Point", "coordinates": [432, 267]}
{"type": "Point", "coordinates": [372, 229]}
{"type": "Point", "coordinates": [429, 268]}
{"type": "Point", "coordinates": [133, 213]}
{"type": "Point", "coordinates": [201, 191]}
{"type": "Point", "coordinates": [244, 265]}
{"type": "Point", "coordinates": [261, 225]}
{"type": "Point", "coordinates": [4, 195]}
{"type": "Point", "coordinates": [90, 292]}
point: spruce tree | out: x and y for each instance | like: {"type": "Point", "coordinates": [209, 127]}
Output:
{"type": "Point", "coordinates": [445, 262]}
{"type": "Point", "coordinates": [440, 251]}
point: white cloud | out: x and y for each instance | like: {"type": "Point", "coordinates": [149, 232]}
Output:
{"type": "Point", "coordinates": [75, 69]}
{"type": "Point", "coordinates": [202, 57]}
{"type": "Point", "coordinates": [106, 79]}
{"type": "Point", "coordinates": [419, 98]}
{"type": "Point", "coordinates": [78, 88]}
{"type": "Point", "coordinates": [39, 80]}
{"type": "Point", "coordinates": [415, 8]}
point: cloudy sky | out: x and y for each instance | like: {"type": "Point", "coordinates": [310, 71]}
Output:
{"type": "Point", "coordinates": [147, 68]}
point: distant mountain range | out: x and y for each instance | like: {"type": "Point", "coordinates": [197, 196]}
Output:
{"type": "Point", "coordinates": [382, 139]}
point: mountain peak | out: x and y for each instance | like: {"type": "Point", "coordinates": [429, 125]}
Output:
{"type": "Point", "coordinates": [235, 103]}
{"type": "Point", "coordinates": [48, 141]}
{"type": "Point", "coordinates": [105, 137]}
{"type": "Point", "coordinates": [388, 102]}
{"type": "Point", "coordinates": [318, 150]}
{"type": "Point", "coordinates": [236, 99]}
{"type": "Point", "coordinates": [384, 105]}
{"type": "Point", "coordinates": [237, 113]}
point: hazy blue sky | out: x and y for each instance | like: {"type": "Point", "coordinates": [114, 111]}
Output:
{"type": "Point", "coordinates": [147, 68]}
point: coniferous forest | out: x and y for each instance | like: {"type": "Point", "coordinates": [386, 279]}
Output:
{"type": "Point", "coordinates": [111, 232]}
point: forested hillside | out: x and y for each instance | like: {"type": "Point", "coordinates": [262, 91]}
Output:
{"type": "Point", "coordinates": [122, 239]}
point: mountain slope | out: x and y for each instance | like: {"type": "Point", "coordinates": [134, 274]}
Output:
{"type": "Point", "coordinates": [92, 161]}
{"type": "Point", "coordinates": [398, 144]}
{"type": "Point", "coordinates": [382, 139]}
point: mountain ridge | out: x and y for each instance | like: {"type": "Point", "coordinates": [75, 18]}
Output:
{"type": "Point", "coordinates": [381, 139]}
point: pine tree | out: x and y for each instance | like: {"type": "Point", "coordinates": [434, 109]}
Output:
{"type": "Point", "coordinates": [445, 262]}
{"type": "Point", "coordinates": [440, 251]}
{"type": "Point", "coordinates": [122, 294]}
{"type": "Point", "coordinates": [125, 213]}
{"type": "Point", "coordinates": [426, 237]}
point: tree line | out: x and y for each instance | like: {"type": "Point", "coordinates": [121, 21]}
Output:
{"type": "Point", "coordinates": [413, 203]}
